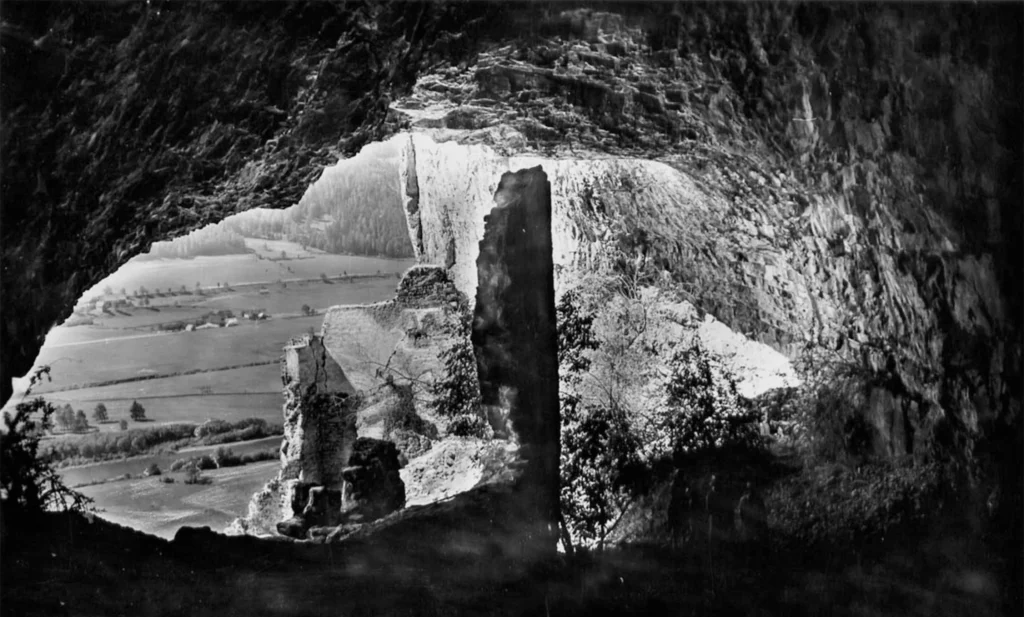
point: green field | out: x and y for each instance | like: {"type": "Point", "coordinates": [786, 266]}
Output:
{"type": "Point", "coordinates": [140, 318]}
{"type": "Point", "coordinates": [246, 380]}
{"type": "Point", "coordinates": [316, 294]}
{"type": "Point", "coordinates": [161, 509]}
{"type": "Point", "coordinates": [138, 354]}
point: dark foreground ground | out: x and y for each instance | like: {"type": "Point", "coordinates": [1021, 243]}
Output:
{"type": "Point", "coordinates": [467, 556]}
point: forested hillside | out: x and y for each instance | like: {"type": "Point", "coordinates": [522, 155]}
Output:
{"type": "Point", "coordinates": [354, 208]}
{"type": "Point", "coordinates": [213, 240]}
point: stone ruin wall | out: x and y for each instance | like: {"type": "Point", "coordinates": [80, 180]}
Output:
{"type": "Point", "coordinates": [316, 446]}
{"type": "Point", "coordinates": [395, 342]}
{"type": "Point", "coordinates": [398, 340]}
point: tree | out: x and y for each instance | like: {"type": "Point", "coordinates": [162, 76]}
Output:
{"type": "Point", "coordinates": [600, 467]}
{"type": "Point", "coordinates": [81, 422]}
{"type": "Point", "coordinates": [27, 481]}
{"type": "Point", "coordinates": [66, 417]}
{"type": "Point", "coordinates": [601, 470]}
{"type": "Point", "coordinates": [100, 413]}
{"type": "Point", "coordinates": [123, 425]}
{"type": "Point", "coordinates": [703, 410]}
{"type": "Point", "coordinates": [193, 474]}
{"type": "Point", "coordinates": [306, 310]}
{"type": "Point", "coordinates": [284, 255]}
{"type": "Point", "coordinates": [137, 412]}
{"type": "Point", "coordinates": [458, 393]}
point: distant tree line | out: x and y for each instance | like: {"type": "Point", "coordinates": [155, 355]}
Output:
{"type": "Point", "coordinates": [355, 210]}
{"type": "Point", "coordinates": [98, 446]}
{"type": "Point", "coordinates": [213, 240]}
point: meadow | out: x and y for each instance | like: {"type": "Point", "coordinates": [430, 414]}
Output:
{"type": "Point", "coordinates": [159, 508]}
{"type": "Point", "coordinates": [263, 379]}
{"type": "Point", "coordinates": [316, 293]}
{"type": "Point", "coordinates": [136, 354]}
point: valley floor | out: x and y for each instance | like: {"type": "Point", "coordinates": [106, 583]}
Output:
{"type": "Point", "coordinates": [158, 508]}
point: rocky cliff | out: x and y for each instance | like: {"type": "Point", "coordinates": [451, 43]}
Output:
{"type": "Point", "coordinates": [841, 176]}
{"type": "Point", "coordinates": [851, 205]}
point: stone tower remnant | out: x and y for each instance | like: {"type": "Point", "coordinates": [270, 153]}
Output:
{"type": "Point", "coordinates": [515, 335]}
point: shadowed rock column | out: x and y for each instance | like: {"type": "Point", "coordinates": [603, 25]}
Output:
{"type": "Point", "coordinates": [515, 336]}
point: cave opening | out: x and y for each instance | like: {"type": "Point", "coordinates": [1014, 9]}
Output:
{"type": "Point", "coordinates": [175, 358]}
{"type": "Point", "coordinates": [763, 237]}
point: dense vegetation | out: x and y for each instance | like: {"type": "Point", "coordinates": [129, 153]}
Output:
{"type": "Point", "coordinates": [613, 452]}
{"type": "Point", "coordinates": [223, 457]}
{"type": "Point", "coordinates": [28, 480]}
{"type": "Point", "coordinates": [457, 395]}
{"type": "Point", "coordinates": [643, 413]}
{"type": "Point", "coordinates": [355, 208]}
{"type": "Point", "coordinates": [108, 445]}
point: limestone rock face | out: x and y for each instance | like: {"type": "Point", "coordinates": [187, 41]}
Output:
{"type": "Point", "coordinates": [787, 270]}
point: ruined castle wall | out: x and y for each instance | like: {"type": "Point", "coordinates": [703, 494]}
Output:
{"type": "Point", "coordinates": [319, 414]}
{"type": "Point", "coordinates": [401, 338]}
{"type": "Point", "coordinates": [319, 433]}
